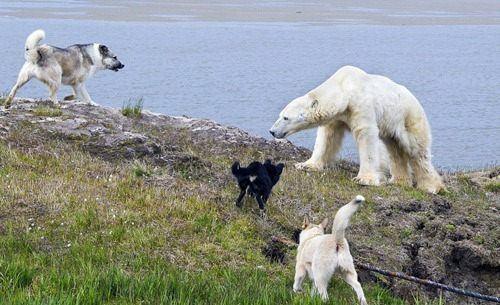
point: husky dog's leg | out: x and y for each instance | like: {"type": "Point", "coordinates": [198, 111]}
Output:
{"type": "Point", "coordinates": [53, 87]}
{"type": "Point", "coordinates": [24, 76]}
{"type": "Point", "coordinates": [51, 77]}
{"type": "Point", "coordinates": [351, 278]}
{"type": "Point", "coordinates": [74, 96]}
{"type": "Point", "coordinates": [300, 274]}
{"type": "Point", "coordinates": [85, 95]}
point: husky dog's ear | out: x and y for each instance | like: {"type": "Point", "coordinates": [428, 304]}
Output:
{"type": "Point", "coordinates": [103, 49]}
{"type": "Point", "coordinates": [279, 168]}
{"type": "Point", "coordinates": [324, 223]}
{"type": "Point", "coordinates": [306, 222]}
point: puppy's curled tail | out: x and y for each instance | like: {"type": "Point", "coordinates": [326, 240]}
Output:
{"type": "Point", "coordinates": [31, 54]}
{"type": "Point", "coordinates": [344, 214]}
{"type": "Point", "coordinates": [235, 168]}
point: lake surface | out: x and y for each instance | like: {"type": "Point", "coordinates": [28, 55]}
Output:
{"type": "Point", "coordinates": [243, 74]}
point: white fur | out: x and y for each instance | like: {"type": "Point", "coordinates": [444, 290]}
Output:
{"type": "Point", "coordinates": [32, 42]}
{"type": "Point", "coordinates": [372, 107]}
{"type": "Point", "coordinates": [321, 255]}
{"type": "Point", "coordinates": [68, 67]}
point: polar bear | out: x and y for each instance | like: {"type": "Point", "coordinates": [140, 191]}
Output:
{"type": "Point", "coordinates": [378, 112]}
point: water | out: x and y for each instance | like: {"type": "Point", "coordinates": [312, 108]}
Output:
{"type": "Point", "coordinates": [243, 74]}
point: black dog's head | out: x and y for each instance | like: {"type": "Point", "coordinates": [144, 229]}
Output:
{"type": "Point", "coordinates": [256, 180]}
{"type": "Point", "coordinates": [274, 171]}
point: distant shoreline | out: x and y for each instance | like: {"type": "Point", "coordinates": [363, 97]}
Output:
{"type": "Point", "coordinates": [371, 12]}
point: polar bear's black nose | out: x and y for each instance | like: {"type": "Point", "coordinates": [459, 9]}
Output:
{"type": "Point", "coordinates": [271, 132]}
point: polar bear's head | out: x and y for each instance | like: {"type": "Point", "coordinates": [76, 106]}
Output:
{"type": "Point", "coordinates": [299, 114]}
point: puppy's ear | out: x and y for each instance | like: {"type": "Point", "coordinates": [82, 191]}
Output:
{"type": "Point", "coordinates": [306, 222]}
{"type": "Point", "coordinates": [235, 168]}
{"type": "Point", "coordinates": [103, 49]}
{"type": "Point", "coordinates": [324, 223]}
{"type": "Point", "coordinates": [268, 161]}
{"type": "Point", "coordinates": [279, 168]}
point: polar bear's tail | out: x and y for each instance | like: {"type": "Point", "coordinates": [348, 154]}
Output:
{"type": "Point", "coordinates": [344, 214]}
{"type": "Point", "coordinates": [31, 54]}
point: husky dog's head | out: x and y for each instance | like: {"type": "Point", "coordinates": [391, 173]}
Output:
{"type": "Point", "coordinates": [310, 230]}
{"type": "Point", "coordinates": [109, 59]}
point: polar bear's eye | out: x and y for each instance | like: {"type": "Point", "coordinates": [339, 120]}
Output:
{"type": "Point", "coordinates": [285, 118]}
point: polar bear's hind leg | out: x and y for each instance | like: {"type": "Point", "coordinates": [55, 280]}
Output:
{"type": "Point", "coordinates": [328, 142]}
{"type": "Point", "coordinates": [426, 176]}
{"type": "Point", "coordinates": [416, 141]}
{"type": "Point", "coordinates": [399, 160]}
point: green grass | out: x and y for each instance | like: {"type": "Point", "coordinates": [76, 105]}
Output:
{"type": "Point", "coordinates": [75, 229]}
{"type": "Point", "coordinates": [493, 187]}
{"type": "Point", "coordinates": [133, 109]}
{"type": "Point", "coordinates": [89, 274]}
{"type": "Point", "coordinates": [47, 111]}
{"type": "Point", "coordinates": [78, 230]}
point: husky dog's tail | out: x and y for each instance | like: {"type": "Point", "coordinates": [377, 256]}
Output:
{"type": "Point", "coordinates": [344, 214]}
{"type": "Point", "coordinates": [31, 53]}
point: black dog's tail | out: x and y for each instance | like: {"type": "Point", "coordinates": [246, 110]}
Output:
{"type": "Point", "coordinates": [235, 169]}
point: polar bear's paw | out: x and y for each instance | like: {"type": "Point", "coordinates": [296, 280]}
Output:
{"type": "Point", "coordinates": [367, 179]}
{"type": "Point", "coordinates": [309, 166]}
{"type": "Point", "coordinates": [433, 187]}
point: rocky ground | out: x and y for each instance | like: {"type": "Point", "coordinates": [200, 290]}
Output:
{"type": "Point", "coordinates": [452, 238]}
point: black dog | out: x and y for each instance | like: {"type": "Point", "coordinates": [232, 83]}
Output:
{"type": "Point", "coordinates": [257, 180]}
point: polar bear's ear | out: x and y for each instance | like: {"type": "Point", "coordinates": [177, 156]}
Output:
{"type": "Point", "coordinates": [314, 103]}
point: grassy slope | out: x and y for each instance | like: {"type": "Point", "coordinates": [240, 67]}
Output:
{"type": "Point", "coordinates": [75, 229]}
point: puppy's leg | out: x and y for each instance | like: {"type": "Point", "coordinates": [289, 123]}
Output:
{"type": "Point", "coordinates": [240, 197]}
{"type": "Point", "coordinates": [300, 274]}
{"type": "Point", "coordinates": [351, 278]}
{"type": "Point", "coordinates": [24, 76]}
{"type": "Point", "coordinates": [262, 207]}
{"type": "Point", "coordinates": [321, 285]}
{"type": "Point", "coordinates": [322, 274]}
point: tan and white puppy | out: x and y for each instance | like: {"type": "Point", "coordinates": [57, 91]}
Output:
{"type": "Point", "coordinates": [320, 255]}
{"type": "Point", "coordinates": [70, 66]}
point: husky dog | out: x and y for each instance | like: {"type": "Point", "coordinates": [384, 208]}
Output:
{"type": "Point", "coordinates": [257, 180]}
{"type": "Point", "coordinates": [71, 66]}
{"type": "Point", "coordinates": [319, 255]}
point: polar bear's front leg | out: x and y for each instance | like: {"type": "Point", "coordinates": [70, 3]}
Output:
{"type": "Point", "coordinates": [328, 142]}
{"type": "Point", "coordinates": [368, 142]}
